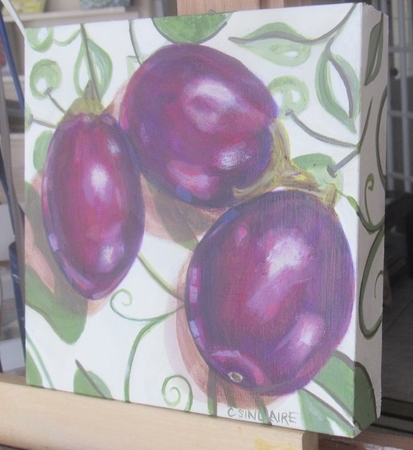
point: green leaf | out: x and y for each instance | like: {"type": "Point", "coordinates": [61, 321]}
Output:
{"type": "Point", "coordinates": [33, 376]}
{"type": "Point", "coordinates": [66, 323]}
{"type": "Point", "coordinates": [349, 384]}
{"type": "Point", "coordinates": [316, 415]}
{"type": "Point", "coordinates": [278, 43]}
{"type": "Point", "coordinates": [193, 29]}
{"type": "Point", "coordinates": [375, 52]}
{"type": "Point", "coordinates": [172, 218]}
{"type": "Point", "coordinates": [353, 203]}
{"type": "Point", "coordinates": [65, 309]}
{"type": "Point", "coordinates": [88, 383]}
{"type": "Point", "coordinates": [338, 379]}
{"type": "Point", "coordinates": [44, 76]}
{"type": "Point", "coordinates": [101, 70]}
{"type": "Point", "coordinates": [317, 164]}
{"type": "Point", "coordinates": [365, 400]}
{"type": "Point", "coordinates": [275, 30]}
{"type": "Point", "coordinates": [325, 89]}
{"type": "Point", "coordinates": [41, 146]}
{"type": "Point", "coordinates": [287, 86]}
{"type": "Point", "coordinates": [40, 39]}
{"type": "Point", "coordinates": [351, 83]}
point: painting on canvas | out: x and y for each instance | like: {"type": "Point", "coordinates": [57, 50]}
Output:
{"type": "Point", "coordinates": [204, 213]}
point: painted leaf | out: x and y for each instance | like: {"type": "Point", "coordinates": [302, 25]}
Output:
{"type": "Point", "coordinates": [317, 164]}
{"type": "Point", "coordinates": [88, 383]}
{"type": "Point", "coordinates": [338, 379]}
{"type": "Point", "coordinates": [277, 42]}
{"type": "Point", "coordinates": [365, 219]}
{"type": "Point", "coordinates": [41, 147]}
{"type": "Point", "coordinates": [349, 384]}
{"type": "Point", "coordinates": [181, 221]}
{"type": "Point", "coordinates": [365, 400]}
{"type": "Point", "coordinates": [193, 29]}
{"type": "Point", "coordinates": [44, 77]}
{"type": "Point", "coordinates": [351, 83]}
{"type": "Point", "coordinates": [40, 39]}
{"type": "Point", "coordinates": [33, 376]}
{"type": "Point", "coordinates": [375, 52]}
{"type": "Point", "coordinates": [66, 318]}
{"type": "Point", "coordinates": [67, 324]}
{"type": "Point", "coordinates": [326, 91]}
{"type": "Point", "coordinates": [173, 220]}
{"type": "Point", "coordinates": [317, 415]}
{"type": "Point", "coordinates": [288, 87]}
{"type": "Point", "coordinates": [101, 69]}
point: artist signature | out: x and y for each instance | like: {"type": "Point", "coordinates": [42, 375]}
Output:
{"type": "Point", "coordinates": [276, 418]}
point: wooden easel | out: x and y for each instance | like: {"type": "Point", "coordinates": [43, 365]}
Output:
{"type": "Point", "coordinates": [34, 419]}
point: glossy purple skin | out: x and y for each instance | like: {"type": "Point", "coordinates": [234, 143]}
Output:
{"type": "Point", "coordinates": [92, 203]}
{"type": "Point", "coordinates": [199, 121]}
{"type": "Point", "coordinates": [270, 292]}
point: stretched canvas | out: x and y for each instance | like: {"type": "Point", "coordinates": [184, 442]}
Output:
{"type": "Point", "coordinates": [204, 204]}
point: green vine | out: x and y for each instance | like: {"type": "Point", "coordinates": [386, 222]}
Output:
{"type": "Point", "coordinates": [379, 165]}
{"type": "Point", "coordinates": [143, 332]}
{"type": "Point", "coordinates": [157, 278]}
{"type": "Point", "coordinates": [129, 303]}
{"type": "Point", "coordinates": [174, 389]}
{"type": "Point", "coordinates": [369, 333]}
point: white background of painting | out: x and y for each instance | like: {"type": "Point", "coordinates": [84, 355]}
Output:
{"type": "Point", "coordinates": [105, 344]}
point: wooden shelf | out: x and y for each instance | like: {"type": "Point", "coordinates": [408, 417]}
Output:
{"type": "Point", "coordinates": [36, 418]}
{"type": "Point", "coordinates": [52, 18]}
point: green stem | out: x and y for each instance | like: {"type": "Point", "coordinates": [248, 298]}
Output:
{"type": "Point", "coordinates": [262, 409]}
{"type": "Point", "coordinates": [86, 375]}
{"type": "Point", "coordinates": [369, 185]}
{"type": "Point", "coordinates": [157, 278]}
{"type": "Point", "coordinates": [134, 41]}
{"type": "Point", "coordinates": [92, 73]}
{"type": "Point", "coordinates": [332, 170]}
{"type": "Point", "coordinates": [67, 41]}
{"type": "Point", "coordinates": [40, 360]}
{"type": "Point", "coordinates": [48, 92]}
{"type": "Point", "coordinates": [143, 332]}
{"type": "Point", "coordinates": [42, 123]}
{"type": "Point", "coordinates": [212, 393]}
{"type": "Point", "coordinates": [314, 134]}
{"type": "Point", "coordinates": [133, 319]}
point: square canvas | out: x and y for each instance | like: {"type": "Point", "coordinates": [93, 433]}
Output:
{"type": "Point", "coordinates": [204, 205]}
